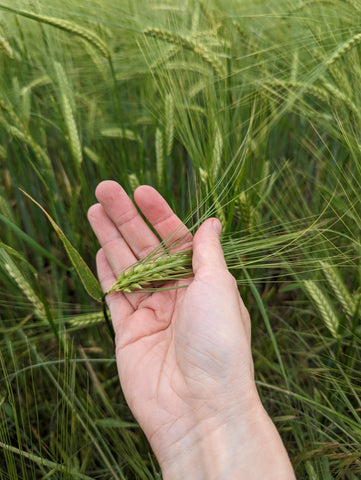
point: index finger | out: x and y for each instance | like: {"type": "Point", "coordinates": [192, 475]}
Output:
{"type": "Point", "coordinates": [160, 215]}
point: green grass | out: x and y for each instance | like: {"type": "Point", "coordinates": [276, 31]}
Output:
{"type": "Point", "coordinates": [245, 110]}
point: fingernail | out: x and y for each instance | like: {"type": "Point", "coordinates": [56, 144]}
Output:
{"type": "Point", "coordinates": [216, 224]}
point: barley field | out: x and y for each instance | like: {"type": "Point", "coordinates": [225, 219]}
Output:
{"type": "Point", "coordinates": [245, 110]}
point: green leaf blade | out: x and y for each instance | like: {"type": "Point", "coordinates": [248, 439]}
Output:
{"type": "Point", "coordinates": [86, 276]}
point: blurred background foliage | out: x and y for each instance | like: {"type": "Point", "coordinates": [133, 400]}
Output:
{"type": "Point", "coordinates": [245, 110]}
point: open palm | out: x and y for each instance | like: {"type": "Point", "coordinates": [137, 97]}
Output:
{"type": "Point", "coordinates": [180, 352]}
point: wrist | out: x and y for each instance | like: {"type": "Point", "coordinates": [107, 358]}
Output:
{"type": "Point", "coordinates": [240, 447]}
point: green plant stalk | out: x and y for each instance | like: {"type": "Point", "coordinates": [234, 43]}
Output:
{"type": "Point", "coordinates": [267, 322]}
{"type": "Point", "coordinates": [56, 467]}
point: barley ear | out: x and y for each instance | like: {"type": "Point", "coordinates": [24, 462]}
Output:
{"type": "Point", "coordinates": [339, 288]}
{"type": "Point", "coordinates": [159, 152]}
{"type": "Point", "coordinates": [123, 133]}
{"type": "Point", "coordinates": [6, 48]}
{"type": "Point", "coordinates": [133, 181]}
{"type": "Point", "coordinates": [3, 153]}
{"type": "Point", "coordinates": [310, 3]}
{"type": "Point", "coordinates": [204, 177]}
{"type": "Point", "coordinates": [245, 211]}
{"type": "Point", "coordinates": [217, 154]}
{"type": "Point", "coordinates": [324, 307]}
{"type": "Point", "coordinates": [207, 14]}
{"type": "Point", "coordinates": [343, 99]}
{"type": "Point", "coordinates": [66, 26]}
{"type": "Point", "coordinates": [13, 272]}
{"type": "Point", "coordinates": [169, 123]}
{"type": "Point", "coordinates": [152, 271]}
{"type": "Point", "coordinates": [37, 82]}
{"type": "Point", "coordinates": [80, 321]}
{"type": "Point", "coordinates": [313, 90]}
{"type": "Point", "coordinates": [20, 132]}
{"type": "Point", "coordinates": [188, 44]}
{"type": "Point", "coordinates": [351, 43]}
{"type": "Point", "coordinates": [94, 157]}
{"type": "Point", "coordinates": [74, 140]}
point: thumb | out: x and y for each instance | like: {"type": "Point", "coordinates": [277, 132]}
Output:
{"type": "Point", "coordinates": [207, 249]}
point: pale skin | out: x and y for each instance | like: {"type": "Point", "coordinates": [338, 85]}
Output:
{"type": "Point", "coordinates": [184, 355]}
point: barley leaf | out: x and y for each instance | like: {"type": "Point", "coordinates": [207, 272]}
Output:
{"type": "Point", "coordinates": [26, 238]}
{"type": "Point", "coordinates": [86, 276]}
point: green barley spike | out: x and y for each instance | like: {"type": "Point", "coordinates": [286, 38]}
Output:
{"type": "Point", "coordinates": [147, 272]}
{"type": "Point", "coordinates": [66, 26]}
{"type": "Point", "coordinates": [133, 181]}
{"type": "Point", "coordinates": [159, 153]}
{"type": "Point", "coordinates": [339, 288]}
{"type": "Point", "coordinates": [217, 154]}
{"type": "Point", "coordinates": [351, 43]}
{"type": "Point", "coordinates": [245, 211]}
{"type": "Point", "coordinates": [188, 44]}
{"type": "Point", "coordinates": [208, 15]}
{"type": "Point", "coordinates": [324, 307]}
{"type": "Point", "coordinates": [6, 48]}
{"type": "Point", "coordinates": [74, 141]}
{"type": "Point", "coordinates": [169, 123]}
{"type": "Point", "coordinates": [94, 157]}
{"type": "Point", "coordinates": [3, 153]}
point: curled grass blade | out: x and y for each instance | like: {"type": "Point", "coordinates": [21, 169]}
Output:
{"type": "Point", "coordinates": [86, 276]}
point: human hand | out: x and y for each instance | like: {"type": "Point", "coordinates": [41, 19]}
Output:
{"type": "Point", "coordinates": [183, 354]}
